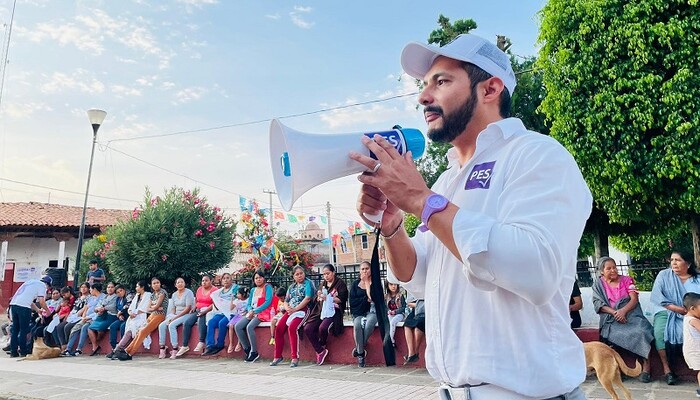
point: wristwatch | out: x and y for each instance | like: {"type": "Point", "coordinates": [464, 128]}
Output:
{"type": "Point", "coordinates": [433, 204]}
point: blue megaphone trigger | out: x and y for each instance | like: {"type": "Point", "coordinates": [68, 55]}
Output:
{"type": "Point", "coordinates": [284, 163]}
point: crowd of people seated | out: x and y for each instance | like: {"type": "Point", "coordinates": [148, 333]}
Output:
{"type": "Point", "coordinates": [623, 324]}
{"type": "Point", "coordinates": [301, 310]}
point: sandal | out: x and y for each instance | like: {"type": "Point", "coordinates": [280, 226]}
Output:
{"type": "Point", "coordinates": [96, 351]}
{"type": "Point", "coordinates": [230, 348]}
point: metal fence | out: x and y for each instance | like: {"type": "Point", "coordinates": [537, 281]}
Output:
{"type": "Point", "coordinates": [643, 273]}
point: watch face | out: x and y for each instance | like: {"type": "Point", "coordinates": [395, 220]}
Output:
{"type": "Point", "coordinates": [437, 201]}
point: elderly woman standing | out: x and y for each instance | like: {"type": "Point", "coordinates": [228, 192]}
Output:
{"type": "Point", "coordinates": [298, 297]}
{"type": "Point", "coordinates": [622, 322]}
{"type": "Point", "coordinates": [667, 294]}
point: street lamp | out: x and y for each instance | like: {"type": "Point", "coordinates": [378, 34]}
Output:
{"type": "Point", "coordinates": [96, 117]}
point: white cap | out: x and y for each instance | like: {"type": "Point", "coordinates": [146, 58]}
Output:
{"type": "Point", "coordinates": [417, 58]}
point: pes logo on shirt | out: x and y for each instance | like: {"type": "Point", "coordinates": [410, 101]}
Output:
{"type": "Point", "coordinates": [480, 177]}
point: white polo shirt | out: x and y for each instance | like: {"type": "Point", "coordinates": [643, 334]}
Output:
{"type": "Point", "coordinates": [28, 292]}
{"type": "Point", "coordinates": [502, 316]}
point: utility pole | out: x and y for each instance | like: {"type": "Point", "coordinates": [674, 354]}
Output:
{"type": "Point", "coordinates": [272, 218]}
{"type": "Point", "coordinates": [330, 237]}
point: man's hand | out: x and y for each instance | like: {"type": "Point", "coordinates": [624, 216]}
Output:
{"type": "Point", "coordinates": [399, 184]}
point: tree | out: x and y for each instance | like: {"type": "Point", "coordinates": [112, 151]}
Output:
{"type": "Point", "coordinates": [621, 95]}
{"type": "Point", "coordinates": [179, 234]}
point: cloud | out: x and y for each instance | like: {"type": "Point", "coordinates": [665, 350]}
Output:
{"type": "Point", "coordinates": [198, 3]}
{"type": "Point", "coordinates": [370, 114]}
{"type": "Point", "coordinates": [79, 80]}
{"type": "Point", "coordinates": [297, 18]}
{"type": "Point", "coordinates": [125, 91]}
{"type": "Point", "coordinates": [190, 94]}
{"type": "Point", "coordinates": [24, 110]}
{"type": "Point", "coordinates": [273, 16]}
{"type": "Point", "coordinates": [67, 34]}
{"type": "Point", "coordinates": [89, 33]}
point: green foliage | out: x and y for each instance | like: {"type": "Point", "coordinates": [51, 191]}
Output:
{"type": "Point", "coordinates": [447, 31]}
{"type": "Point", "coordinates": [656, 242]}
{"type": "Point", "coordinates": [411, 223]}
{"type": "Point", "coordinates": [644, 278]}
{"type": "Point", "coordinates": [586, 246]}
{"type": "Point", "coordinates": [179, 234]}
{"type": "Point", "coordinates": [529, 94]}
{"type": "Point", "coordinates": [622, 92]}
{"type": "Point", "coordinates": [95, 249]}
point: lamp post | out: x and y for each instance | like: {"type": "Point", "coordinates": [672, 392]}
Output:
{"type": "Point", "coordinates": [96, 117]}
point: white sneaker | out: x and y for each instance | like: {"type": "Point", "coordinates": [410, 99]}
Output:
{"type": "Point", "coordinates": [200, 347]}
{"type": "Point", "coordinates": [182, 350]}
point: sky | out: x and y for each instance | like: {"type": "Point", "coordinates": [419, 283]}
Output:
{"type": "Point", "coordinates": [204, 78]}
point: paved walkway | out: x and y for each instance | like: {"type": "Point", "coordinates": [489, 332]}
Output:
{"type": "Point", "coordinates": [190, 378]}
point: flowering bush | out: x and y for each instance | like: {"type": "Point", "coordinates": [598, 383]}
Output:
{"type": "Point", "coordinates": [277, 256]}
{"type": "Point", "coordinates": [179, 234]}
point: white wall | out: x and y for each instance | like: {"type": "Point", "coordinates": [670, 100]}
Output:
{"type": "Point", "coordinates": [36, 252]}
{"type": "Point", "coordinates": [590, 319]}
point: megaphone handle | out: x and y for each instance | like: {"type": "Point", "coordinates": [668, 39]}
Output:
{"type": "Point", "coordinates": [376, 218]}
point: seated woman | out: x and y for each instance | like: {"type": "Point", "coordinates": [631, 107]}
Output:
{"type": "Point", "coordinates": [138, 317]}
{"type": "Point", "coordinates": [414, 329]}
{"type": "Point", "coordinates": [79, 333]}
{"type": "Point", "coordinates": [62, 332]}
{"type": "Point", "coordinates": [106, 312]}
{"type": "Point", "coordinates": [118, 327]}
{"type": "Point", "coordinates": [159, 304]}
{"type": "Point", "coordinates": [316, 327]}
{"type": "Point", "coordinates": [298, 297]}
{"type": "Point", "coordinates": [395, 306]}
{"type": "Point", "coordinates": [364, 314]}
{"type": "Point", "coordinates": [223, 301]}
{"type": "Point", "coordinates": [259, 310]}
{"type": "Point", "coordinates": [667, 294]}
{"type": "Point", "coordinates": [179, 308]}
{"type": "Point", "coordinates": [622, 322]}
{"type": "Point", "coordinates": [203, 304]}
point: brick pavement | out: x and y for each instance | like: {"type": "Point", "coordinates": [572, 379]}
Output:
{"type": "Point", "coordinates": [150, 378]}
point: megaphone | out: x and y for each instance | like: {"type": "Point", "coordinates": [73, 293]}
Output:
{"type": "Point", "coordinates": [300, 161]}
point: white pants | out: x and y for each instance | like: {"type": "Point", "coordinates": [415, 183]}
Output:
{"type": "Point", "coordinates": [492, 392]}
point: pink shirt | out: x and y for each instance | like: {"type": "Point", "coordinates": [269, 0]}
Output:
{"type": "Point", "coordinates": [203, 300]}
{"type": "Point", "coordinates": [623, 290]}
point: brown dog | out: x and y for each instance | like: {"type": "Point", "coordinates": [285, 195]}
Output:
{"type": "Point", "coordinates": [41, 351]}
{"type": "Point", "coordinates": [607, 365]}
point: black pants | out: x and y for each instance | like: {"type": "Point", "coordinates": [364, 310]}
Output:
{"type": "Point", "coordinates": [21, 319]}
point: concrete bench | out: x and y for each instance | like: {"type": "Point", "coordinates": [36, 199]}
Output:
{"type": "Point", "coordinates": [339, 348]}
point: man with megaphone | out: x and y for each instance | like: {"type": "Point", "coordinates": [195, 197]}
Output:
{"type": "Point", "coordinates": [495, 255]}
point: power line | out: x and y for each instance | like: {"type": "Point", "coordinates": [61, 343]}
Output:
{"type": "Point", "coordinates": [63, 190]}
{"type": "Point", "coordinates": [259, 121]}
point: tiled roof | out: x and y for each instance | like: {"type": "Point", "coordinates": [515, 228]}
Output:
{"type": "Point", "coordinates": [56, 215]}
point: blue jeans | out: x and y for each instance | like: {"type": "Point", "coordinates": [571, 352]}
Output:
{"type": "Point", "coordinates": [117, 328]}
{"type": "Point", "coordinates": [171, 327]}
{"type": "Point", "coordinates": [190, 320]}
{"type": "Point", "coordinates": [218, 321]}
{"type": "Point", "coordinates": [78, 334]}
{"type": "Point", "coordinates": [21, 318]}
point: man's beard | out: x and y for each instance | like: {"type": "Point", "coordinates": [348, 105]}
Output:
{"type": "Point", "coordinates": [452, 124]}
